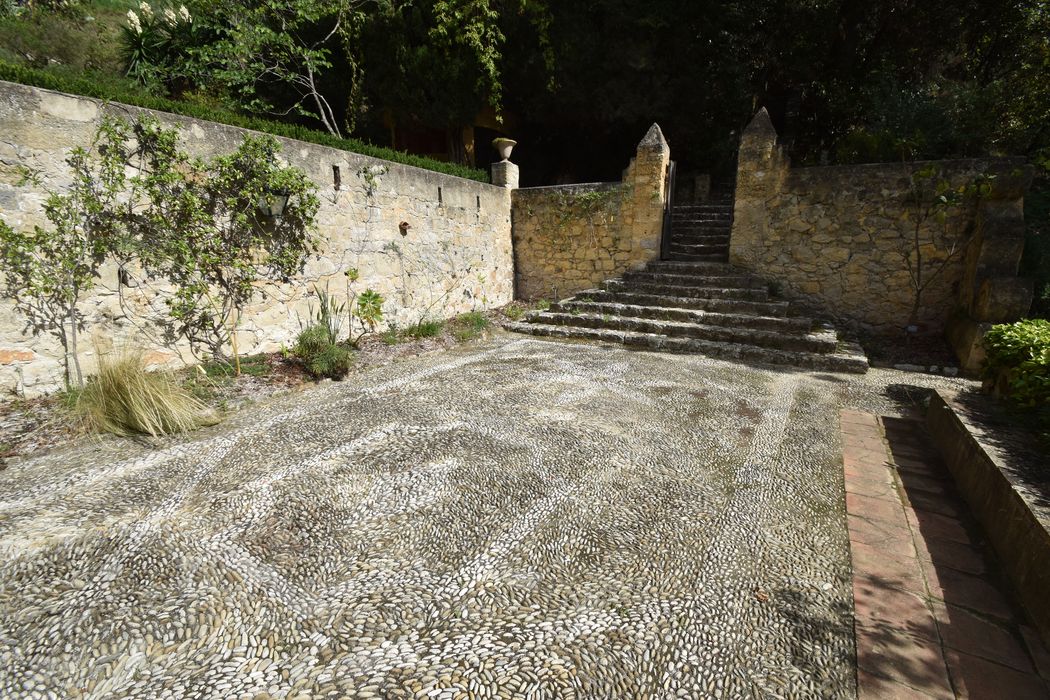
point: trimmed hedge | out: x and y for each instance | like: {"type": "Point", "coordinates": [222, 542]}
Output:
{"type": "Point", "coordinates": [91, 88]}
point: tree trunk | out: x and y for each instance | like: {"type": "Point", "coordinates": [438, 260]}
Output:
{"type": "Point", "coordinates": [71, 350]}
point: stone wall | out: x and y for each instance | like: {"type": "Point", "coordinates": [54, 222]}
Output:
{"type": "Point", "coordinates": [841, 236]}
{"type": "Point", "coordinates": [571, 237]}
{"type": "Point", "coordinates": [456, 256]}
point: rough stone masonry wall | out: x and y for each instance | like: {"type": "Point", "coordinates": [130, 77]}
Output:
{"type": "Point", "coordinates": [456, 257]}
{"type": "Point", "coordinates": [835, 235]}
{"type": "Point", "coordinates": [571, 237]}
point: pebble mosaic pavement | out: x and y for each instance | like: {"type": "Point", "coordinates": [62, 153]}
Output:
{"type": "Point", "coordinates": [521, 518]}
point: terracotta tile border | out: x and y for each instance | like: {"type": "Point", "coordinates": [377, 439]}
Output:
{"type": "Point", "coordinates": [931, 618]}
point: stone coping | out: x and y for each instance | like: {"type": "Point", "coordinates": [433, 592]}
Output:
{"type": "Point", "coordinates": [913, 165]}
{"type": "Point", "coordinates": [69, 104]}
{"type": "Point", "coordinates": [573, 187]}
{"type": "Point", "coordinates": [1009, 496]}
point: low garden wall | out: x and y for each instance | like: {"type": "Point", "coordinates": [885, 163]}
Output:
{"type": "Point", "coordinates": [455, 255]}
{"type": "Point", "coordinates": [571, 237]}
{"type": "Point", "coordinates": [846, 237]}
{"type": "Point", "coordinates": [1007, 499]}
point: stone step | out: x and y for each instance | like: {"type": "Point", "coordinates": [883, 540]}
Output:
{"type": "Point", "coordinates": [690, 236]}
{"type": "Point", "coordinates": [737, 281]}
{"type": "Point", "coordinates": [716, 216]}
{"type": "Point", "coordinates": [687, 249]}
{"type": "Point", "coordinates": [700, 235]}
{"type": "Point", "coordinates": [686, 245]}
{"type": "Point", "coordinates": [822, 342]}
{"type": "Point", "coordinates": [725, 306]}
{"type": "Point", "coordinates": [585, 304]}
{"type": "Point", "coordinates": [702, 208]}
{"type": "Point", "coordinates": [689, 257]}
{"type": "Point", "coordinates": [712, 220]}
{"type": "Point", "coordinates": [845, 360]}
{"type": "Point", "coordinates": [699, 268]}
{"type": "Point", "coordinates": [712, 226]}
{"type": "Point", "coordinates": [672, 290]}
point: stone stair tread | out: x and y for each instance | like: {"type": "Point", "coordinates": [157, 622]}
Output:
{"type": "Point", "coordinates": [737, 281]}
{"type": "Point", "coordinates": [817, 341]}
{"type": "Point", "coordinates": [844, 361]}
{"type": "Point", "coordinates": [778, 309]}
{"type": "Point", "coordinates": [707, 268]}
{"type": "Point", "coordinates": [689, 257]}
{"type": "Point", "coordinates": [738, 320]}
{"type": "Point", "coordinates": [742, 293]}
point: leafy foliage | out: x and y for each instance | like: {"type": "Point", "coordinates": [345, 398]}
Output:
{"type": "Point", "coordinates": [369, 310]}
{"type": "Point", "coordinates": [196, 223]}
{"type": "Point", "coordinates": [276, 47]}
{"type": "Point", "coordinates": [329, 314]}
{"type": "Point", "coordinates": [47, 271]}
{"type": "Point", "coordinates": [469, 326]}
{"type": "Point", "coordinates": [93, 87]}
{"type": "Point", "coordinates": [425, 329]}
{"type": "Point", "coordinates": [156, 44]}
{"type": "Point", "coordinates": [1021, 350]}
{"type": "Point", "coordinates": [320, 356]}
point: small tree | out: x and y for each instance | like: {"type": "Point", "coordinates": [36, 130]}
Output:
{"type": "Point", "coordinates": [281, 47]}
{"type": "Point", "coordinates": [47, 271]}
{"type": "Point", "coordinates": [936, 206]}
{"type": "Point", "coordinates": [202, 229]}
{"type": "Point", "coordinates": [193, 223]}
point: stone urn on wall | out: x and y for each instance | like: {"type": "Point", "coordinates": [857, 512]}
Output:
{"type": "Point", "coordinates": [504, 146]}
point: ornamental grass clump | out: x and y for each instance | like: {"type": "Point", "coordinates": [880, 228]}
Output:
{"type": "Point", "coordinates": [125, 399]}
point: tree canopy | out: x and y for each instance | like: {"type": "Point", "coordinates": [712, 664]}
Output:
{"type": "Point", "coordinates": [578, 83]}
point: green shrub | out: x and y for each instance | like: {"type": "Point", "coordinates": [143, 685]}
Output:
{"type": "Point", "coordinates": [425, 329]}
{"type": "Point", "coordinates": [469, 326]}
{"type": "Point", "coordinates": [514, 311]}
{"type": "Point", "coordinates": [320, 356]}
{"type": "Point", "coordinates": [124, 398]}
{"type": "Point", "coordinates": [311, 341]}
{"type": "Point", "coordinates": [1021, 350]}
{"type": "Point", "coordinates": [333, 362]}
{"type": "Point", "coordinates": [252, 365]}
{"type": "Point", "coordinates": [91, 87]}
{"type": "Point", "coordinates": [391, 336]}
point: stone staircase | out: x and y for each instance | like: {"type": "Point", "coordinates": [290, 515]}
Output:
{"type": "Point", "coordinates": [696, 302]}
{"type": "Point", "coordinates": [700, 232]}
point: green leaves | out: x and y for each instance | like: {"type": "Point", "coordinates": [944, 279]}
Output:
{"type": "Point", "coordinates": [93, 88]}
{"type": "Point", "coordinates": [369, 308]}
{"type": "Point", "coordinates": [1022, 351]}
{"type": "Point", "coordinates": [192, 222]}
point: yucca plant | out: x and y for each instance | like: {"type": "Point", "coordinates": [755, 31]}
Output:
{"type": "Point", "coordinates": [124, 399]}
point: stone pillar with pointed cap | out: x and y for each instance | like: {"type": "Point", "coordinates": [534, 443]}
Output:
{"type": "Point", "coordinates": [761, 168]}
{"type": "Point", "coordinates": [646, 180]}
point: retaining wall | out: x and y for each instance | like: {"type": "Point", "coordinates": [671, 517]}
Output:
{"type": "Point", "coordinates": [457, 254]}
{"type": "Point", "coordinates": [844, 236]}
{"type": "Point", "coordinates": [571, 237]}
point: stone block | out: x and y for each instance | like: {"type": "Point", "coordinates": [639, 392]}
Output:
{"type": "Point", "coordinates": [505, 174]}
{"type": "Point", "coordinates": [1003, 299]}
{"type": "Point", "coordinates": [966, 337]}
